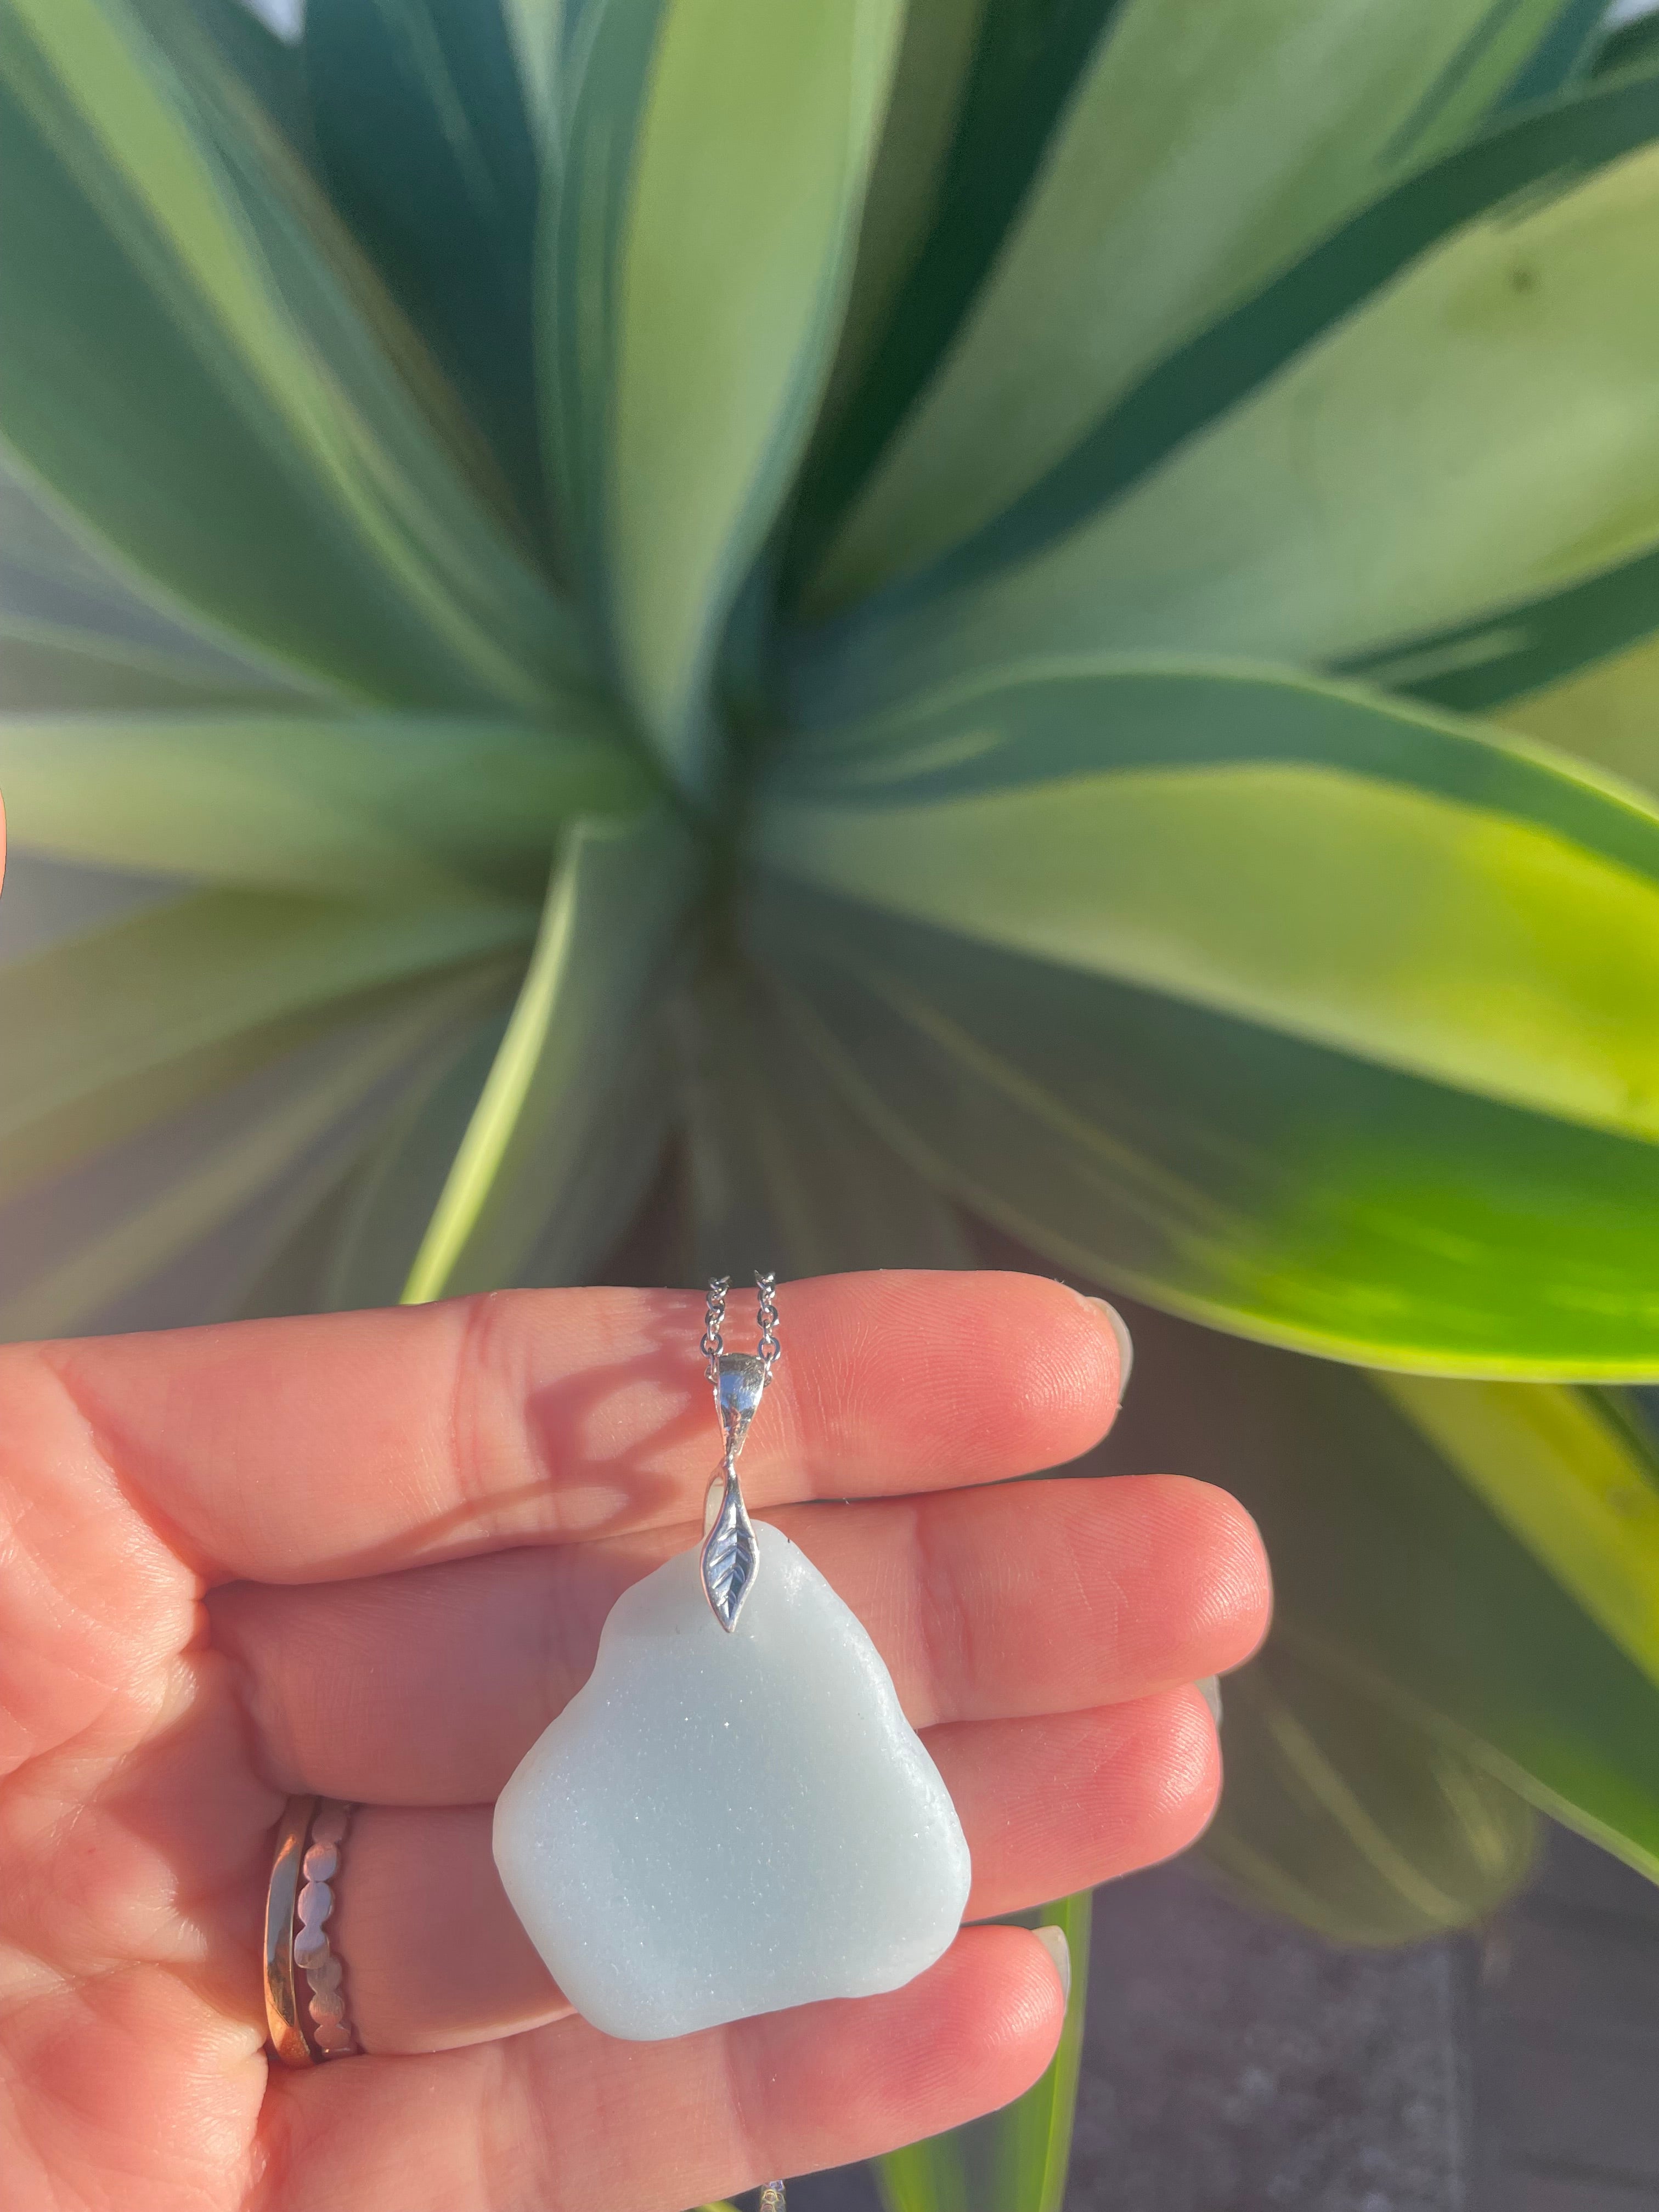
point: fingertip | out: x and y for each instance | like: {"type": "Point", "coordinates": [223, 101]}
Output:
{"type": "Point", "coordinates": [1123, 1342]}
{"type": "Point", "coordinates": [1016, 2028]}
{"type": "Point", "coordinates": [1214, 1546]}
{"type": "Point", "coordinates": [1192, 1768]}
{"type": "Point", "coordinates": [1003, 1374]}
{"type": "Point", "coordinates": [859, 2077]}
{"type": "Point", "coordinates": [1064, 1359]}
{"type": "Point", "coordinates": [1242, 1578]}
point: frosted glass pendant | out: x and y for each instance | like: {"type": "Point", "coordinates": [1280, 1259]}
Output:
{"type": "Point", "coordinates": [718, 1825]}
{"type": "Point", "coordinates": [732, 1814]}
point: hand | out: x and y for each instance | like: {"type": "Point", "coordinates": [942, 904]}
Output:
{"type": "Point", "coordinates": [369, 1555]}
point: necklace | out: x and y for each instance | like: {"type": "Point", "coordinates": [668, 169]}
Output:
{"type": "Point", "coordinates": [732, 1814]}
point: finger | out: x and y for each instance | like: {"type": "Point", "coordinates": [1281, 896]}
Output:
{"type": "Point", "coordinates": [347, 1444]}
{"type": "Point", "coordinates": [1060, 1804]}
{"type": "Point", "coordinates": [428, 1688]}
{"type": "Point", "coordinates": [436, 1956]}
{"type": "Point", "coordinates": [567, 2120]}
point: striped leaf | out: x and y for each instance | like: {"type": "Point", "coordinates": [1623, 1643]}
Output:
{"type": "Point", "coordinates": [536, 1173]}
{"type": "Point", "coordinates": [418, 112]}
{"type": "Point", "coordinates": [1608, 714]}
{"type": "Point", "coordinates": [79, 633]}
{"type": "Point", "coordinates": [1304, 1013]}
{"type": "Point", "coordinates": [119, 1028]}
{"type": "Point", "coordinates": [786, 1175]}
{"type": "Point", "coordinates": [209, 1191]}
{"type": "Point", "coordinates": [1398, 1587]}
{"type": "Point", "coordinates": [1451, 478]}
{"type": "Point", "coordinates": [1356, 1820]}
{"type": "Point", "coordinates": [386, 806]}
{"type": "Point", "coordinates": [1192, 161]}
{"type": "Point", "coordinates": [189, 346]}
{"type": "Point", "coordinates": [712, 168]}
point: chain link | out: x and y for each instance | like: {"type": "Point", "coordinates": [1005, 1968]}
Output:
{"type": "Point", "coordinates": [714, 1322]}
{"type": "Point", "coordinates": [766, 1315]}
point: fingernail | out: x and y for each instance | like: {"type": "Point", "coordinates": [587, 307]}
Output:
{"type": "Point", "coordinates": [1126, 1343]}
{"type": "Point", "coordinates": [1053, 1940]}
{"type": "Point", "coordinates": [1209, 1688]}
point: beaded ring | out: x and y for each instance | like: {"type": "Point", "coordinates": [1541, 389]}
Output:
{"type": "Point", "coordinates": [331, 2034]}
{"type": "Point", "coordinates": [303, 1878]}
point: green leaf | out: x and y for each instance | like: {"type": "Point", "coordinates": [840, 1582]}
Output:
{"type": "Point", "coordinates": [1608, 714]}
{"type": "Point", "coordinates": [46, 668]}
{"type": "Point", "coordinates": [76, 633]}
{"type": "Point", "coordinates": [713, 167]}
{"type": "Point", "coordinates": [535, 31]}
{"type": "Point", "coordinates": [114, 1030]}
{"type": "Point", "coordinates": [1245, 1179]}
{"type": "Point", "coordinates": [630, 1122]}
{"type": "Point", "coordinates": [194, 357]}
{"type": "Point", "coordinates": [1405, 496]}
{"type": "Point", "coordinates": [1016, 2158]}
{"type": "Point", "coordinates": [1633, 46]}
{"type": "Point", "coordinates": [784, 1175]}
{"type": "Point", "coordinates": [1569, 1473]}
{"type": "Point", "coordinates": [267, 66]}
{"type": "Point", "coordinates": [1355, 1818]}
{"type": "Point", "coordinates": [1189, 165]}
{"type": "Point", "coordinates": [1563, 55]}
{"type": "Point", "coordinates": [376, 1227]}
{"type": "Point", "coordinates": [1428, 896]}
{"type": "Point", "coordinates": [907, 179]}
{"type": "Point", "coordinates": [123, 1220]}
{"type": "Point", "coordinates": [396, 806]}
{"type": "Point", "coordinates": [535, 1177]}
{"type": "Point", "coordinates": [354, 1244]}
{"type": "Point", "coordinates": [1027, 60]}
{"type": "Point", "coordinates": [364, 1254]}
{"type": "Point", "coordinates": [1233, 357]}
{"type": "Point", "coordinates": [1101, 1015]}
{"type": "Point", "coordinates": [419, 115]}
{"type": "Point", "coordinates": [1480, 665]}
{"type": "Point", "coordinates": [1395, 1579]}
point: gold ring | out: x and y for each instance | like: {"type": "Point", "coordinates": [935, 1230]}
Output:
{"type": "Point", "coordinates": [282, 2007]}
{"type": "Point", "coordinates": [305, 2003]}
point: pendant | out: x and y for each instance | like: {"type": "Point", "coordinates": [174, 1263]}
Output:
{"type": "Point", "coordinates": [732, 1814]}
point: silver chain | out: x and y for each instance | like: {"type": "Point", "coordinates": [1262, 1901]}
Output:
{"type": "Point", "coordinates": [766, 1317]}
{"type": "Point", "coordinates": [712, 1346]}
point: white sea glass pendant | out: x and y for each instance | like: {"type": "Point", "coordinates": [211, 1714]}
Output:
{"type": "Point", "coordinates": [725, 1821]}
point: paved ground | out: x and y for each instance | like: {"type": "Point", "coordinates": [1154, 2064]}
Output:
{"type": "Point", "coordinates": [1565, 2019]}
{"type": "Point", "coordinates": [1233, 2065]}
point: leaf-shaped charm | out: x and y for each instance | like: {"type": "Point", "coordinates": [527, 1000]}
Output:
{"type": "Point", "coordinates": [729, 1556]}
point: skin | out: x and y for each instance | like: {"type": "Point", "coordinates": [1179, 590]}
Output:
{"type": "Point", "coordinates": [369, 1554]}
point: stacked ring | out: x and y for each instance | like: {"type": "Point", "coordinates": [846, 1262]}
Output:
{"type": "Point", "coordinates": [306, 2030]}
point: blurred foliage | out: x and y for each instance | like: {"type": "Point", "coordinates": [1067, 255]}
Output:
{"type": "Point", "coordinates": [870, 621]}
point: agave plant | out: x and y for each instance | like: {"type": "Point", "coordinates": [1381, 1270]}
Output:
{"type": "Point", "coordinates": [1017, 617]}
